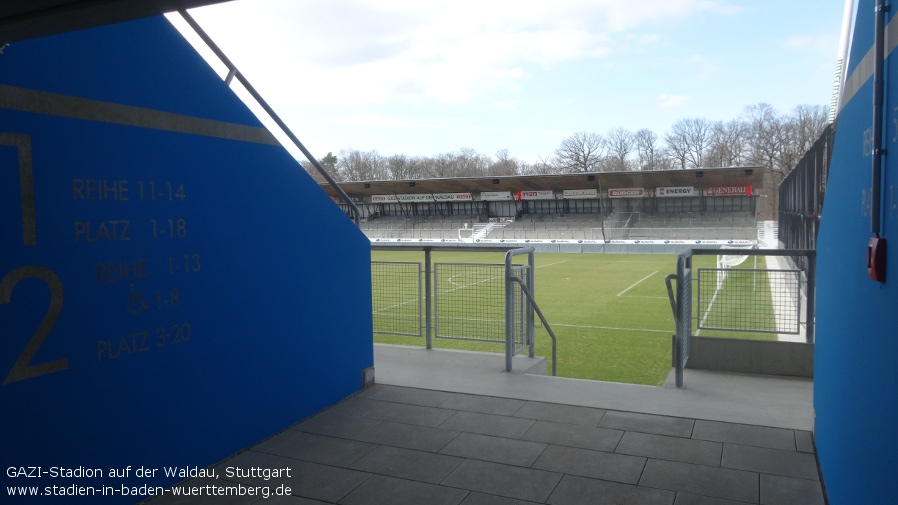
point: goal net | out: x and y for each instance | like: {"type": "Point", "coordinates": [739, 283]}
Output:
{"type": "Point", "coordinates": [727, 261]}
{"type": "Point", "coordinates": [744, 298]}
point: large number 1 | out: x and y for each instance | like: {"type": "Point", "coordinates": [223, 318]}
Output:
{"type": "Point", "coordinates": [26, 183]}
{"type": "Point", "coordinates": [23, 369]}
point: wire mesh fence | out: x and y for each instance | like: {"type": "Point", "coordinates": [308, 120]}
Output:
{"type": "Point", "coordinates": [747, 299]}
{"type": "Point", "coordinates": [681, 303]}
{"type": "Point", "coordinates": [520, 319]}
{"type": "Point", "coordinates": [469, 301]}
{"type": "Point", "coordinates": [396, 297]}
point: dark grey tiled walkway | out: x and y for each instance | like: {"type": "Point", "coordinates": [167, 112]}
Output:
{"type": "Point", "coordinates": [399, 445]}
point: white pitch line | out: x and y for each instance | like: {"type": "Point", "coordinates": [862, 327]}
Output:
{"type": "Point", "coordinates": [611, 328]}
{"type": "Point", "coordinates": [400, 304]}
{"type": "Point", "coordinates": [637, 283]}
{"type": "Point", "coordinates": [707, 311]}
{"type": "Point", "coordinates": [490, 278]}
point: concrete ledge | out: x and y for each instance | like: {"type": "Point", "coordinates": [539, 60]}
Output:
{"type": "Point", "coordinates": [527, 365]}
{"type": "Point", "coordinates": [752, 356]}
{"type": "Point", "coordinates": [762, 400]}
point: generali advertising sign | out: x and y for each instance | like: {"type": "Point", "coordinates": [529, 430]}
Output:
{"type": "Point", "coordinates": [677, 191]}
{"type": "Point", "coordinates": [626, 193]}
{"type": "Point", "coordinates": [580, 193]}
{"type": "Point", "coordinates": [493, 196]}
{"type": "Point", "coordinates": [536, 195]}
{"type": "Point", "coordinates": [428, 197]}
{"type": "Point", "coordinates": [744, 190]}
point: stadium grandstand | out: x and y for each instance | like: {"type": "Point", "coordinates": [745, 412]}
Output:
{"type": "Point", "coordinates": [710, 205]}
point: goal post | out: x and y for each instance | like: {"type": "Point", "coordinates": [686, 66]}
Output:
{"type": "Point", "coordinates": [727, 261]}
{"type": "Point", "coordinates": [748, 299]}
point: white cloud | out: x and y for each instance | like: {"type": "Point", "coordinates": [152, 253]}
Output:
{"type": "Point", "coordinates": [382, 121]}
{"type": "Point", "coordinates": [700, 67]}
{"type": "Point", "coordinates": [667, 100]}
{"type": "Point", "coordinates": [375, 51]}
{"type": "Point", "coordinates": [813, 42]}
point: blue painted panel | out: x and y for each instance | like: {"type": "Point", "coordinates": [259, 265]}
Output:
{"type": "Point", "coordinates": [164, 74]}
{"type": "Point", "coordinates": [862, 37]}
{"type": "Point", "coordinates": [198, 293]}
{"type": "Point", "coordinates": [856, 337]}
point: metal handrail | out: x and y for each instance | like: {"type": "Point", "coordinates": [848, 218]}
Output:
{"type": "Point", "coordinates": [670, 294]}
{"type": "Point", "coordinates": [541, 317]}
{"type": "Point", "coordinates": [234, 72]}
{"type": "Point", "coordinates": [528, 291]}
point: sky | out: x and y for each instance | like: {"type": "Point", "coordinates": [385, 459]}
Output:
{"type": "Point", "coordinates": [423, 78]}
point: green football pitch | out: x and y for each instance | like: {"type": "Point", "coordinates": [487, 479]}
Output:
{"type": "Point", "coordinates": [610, 312]}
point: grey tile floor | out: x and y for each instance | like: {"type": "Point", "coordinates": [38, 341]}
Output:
{"type": "Point", "coordinates": [401, 445]}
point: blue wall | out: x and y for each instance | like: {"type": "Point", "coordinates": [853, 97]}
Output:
{"type": "Point", "coordinates": [178, 288]}
{"type": "Point", "coordinates": [857, 343]}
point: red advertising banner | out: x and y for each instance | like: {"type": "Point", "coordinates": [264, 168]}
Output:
{"type": "Point", "coordinates": [626, 193]}
{"type": "Point", "coordinates": [744, 190]}
{"type": "Point", "coordinates": [536, 195]}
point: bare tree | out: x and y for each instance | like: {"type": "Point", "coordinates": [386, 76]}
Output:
{"type": "Point", "coordinates": [504, 164]}
{"type": "Point", "coordinates": [729, 143]}
{"type": "Point", "coordinates": [400, 167]}
{"type": "Point", "coordinates": [677, 148]}
{"type": "Point", "coordinates": [581, 152]}
{"type": "Point", "coordinates": [355, 165]}
{"type": "Point", "coordinates": [349, 165]}
{"type": "Point", "coordinates": [765, 132]}
{"type": "Point", "coordinates": [810, 121]}
{"type": "Point", "coordinates": [619, 143]}
{"type": "Point", "coordinates": [328, 163]}
{"type": "Point", "coordinates": [665, 160]}
{"type": "Point", "coordinates": [470, 163]}
{"type": "Point", "coordinates": [418, 167]}
{"type": "Point", "coordinates": [646, 149]}
{"type": "Point", "coordinates": [441, 165]}
{"type": "Point", "coordinates": [541, 166]}
{"type": "Point", "coordinates": [761, 136]}
{"type": "Point", "coordinates": [688, 140]}
{"type": "Point", "coordinates": [799, 130]}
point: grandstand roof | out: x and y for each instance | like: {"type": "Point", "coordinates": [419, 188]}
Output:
{"type": "Point", "coordinates": [27, 19]}
{"type": "Point", "coordinates": [640, 179]}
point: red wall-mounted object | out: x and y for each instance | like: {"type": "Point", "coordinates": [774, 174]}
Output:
{"type": "Point", "coordinates": [876, 259]}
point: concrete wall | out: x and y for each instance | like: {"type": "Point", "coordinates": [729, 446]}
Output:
{"type": "Point", "coordinates": [856, 348]}
{"type": "Point", "coordinates": [752, 356]}
{"type": "Point", "coordinates": [165, 299]}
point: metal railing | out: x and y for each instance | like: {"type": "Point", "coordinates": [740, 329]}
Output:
{"type": "Point", "coordinates": [519, 302]}
{"type": "Point", "coordinates": [531, 306]}
{"type": "Point", "coordinates": [802, 192]}
{"type": "Point", "coordinates": [233, 72]}
{"type": "Point", "coordinates": [681, 297]}
{"type": "Point", "coordinates": [397, 309]}
{"type": "Point", "coordinates": [469, 301]}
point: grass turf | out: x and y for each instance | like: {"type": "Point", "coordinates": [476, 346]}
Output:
{"type": "Point", "coordinates": [610, 312]}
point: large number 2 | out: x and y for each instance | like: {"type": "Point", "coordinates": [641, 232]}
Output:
{"type": "Point", "coordinates": [23, 369]}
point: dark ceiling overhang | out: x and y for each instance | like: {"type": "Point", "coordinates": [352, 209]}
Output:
{"type": "Point", "coordinates": [28, 19]}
